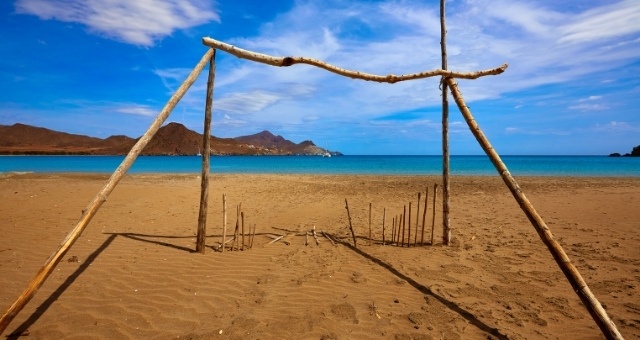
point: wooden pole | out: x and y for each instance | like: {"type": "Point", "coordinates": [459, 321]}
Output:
{"type": "Point", "coordinates": [369, 223]}
{"type": "Point", "coordinates": [393, 230]}
{"type": "Point", "coordinates": [384, 216]}
{"type": "Point", "coordinates": [353, 234]}
{"type": "Point", "coordinates": [253, 235]}
{"type": "Point", "coordinates": [101, 197]}
{"type": "Point", "coordinates": [433, 220]}
{"type": "Point", "coordinates": [409, 229]}
{"type": "Point", "coordinates": [315, 236]}
{"type": "Point", "coordinates": [242, 218]}
{"type": "Point", "coordinates": [424, 215]}
{"type": "Point", "coordinates": [572, 274]}
{"type": "Point", "coordinates": [398, 231]}
{"type": "Point", "coordinates": [206, 155]}
{"type": "Point", "coordinates": [288, 61]}
{"type": "Point", "coordinates": [415, 239]}
{"type": "Point", "coordinates": [224, 220]}
{"type": "Point", "coordinates": [446, 228]}
{"type": "Point", "coordinates": [404, 223]}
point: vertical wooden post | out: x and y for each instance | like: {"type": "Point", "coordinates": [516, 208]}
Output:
{"type": "Point", "coordinates": [404, 223]}
{"type": "Point", "coordinates": [400, 218]}
{"type": "Point", "coordinates": [415, 239]}
{"type": "Point", "coordinates": [353, 234]}
{"type": "Point", "coordinates": [224, 221]}
{"type": "Point", "coordinates": [242, 215]}
{"type": "Point", "coordinates": [393, 230]}
{"type": "Point", "coordinates": [253, 235]}
{"type": "Point", "coordinates": [409, 223]}
{"type": "Point", "coordinates": [433, 220]}
{"type": "Point", "coordinates": [446, 228]}
{"type": "Point", "coordinates": [424, 215]}
{"type": "Point", "coordinates": [206, 155]}
{"type": "Point", "coordinates": [369, 223]}
{"type": "Point", "coordinates": [572, 274]}
{"type": "Point", "coordinates": [384, 216]}
{"type": "Point", "coordinates": [101, 197]}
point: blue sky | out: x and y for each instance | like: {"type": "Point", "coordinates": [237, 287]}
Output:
{"type": "Point", "coordinates": [108, 67]}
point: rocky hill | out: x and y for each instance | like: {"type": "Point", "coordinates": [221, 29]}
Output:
{"type": "Point", "coordinates": [171, 139]}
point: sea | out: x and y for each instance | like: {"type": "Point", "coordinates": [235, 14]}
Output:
{"type": "Point", "coordinates": [477, 165]}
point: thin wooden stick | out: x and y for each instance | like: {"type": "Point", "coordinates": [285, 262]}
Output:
{"type": "Point", "coordinates": [398, 231]}
{"type": "Point", "coordinates": [224, 220]}
{"type": "Point", "coordinates": [329, 238]}
{"type": "Point", "coordinates": [206, 155]}
{"type": "Point", "coordinates": [306, 238]}
{"type": "Point", "coordinates": [415, 239]}
{"type": "Point", "coordinates": [315, 236]}
{"type": "Point", "coordinates": [433, 219]}
{"type": "Point", "coordinates": [253, 235]}
{"type": "Point", "coordinates": [288, 61]}
{"type": "Point", "coordinates": [393, 230]}
{"type": "Point", "coordinates": [424, 215]}
{"type": "Point", "coordinates": [384, 216]}
{"type": "Point", "coordinates": [598, 313]}
{"type": "Point", "coordinates": [242, 218]}
{"type": "Point", "coordinates": [369, 223]}
{"type": "Point", "coordinates": [101, 197]}
{"type": "Point", "coordinates": [353, 234]}
{"type": "Point", "coordinates": [404, 222]}
{"type": "Point", "coordinates": [409, 229]}
{"type": "Point", "coordinates": [275, 240]}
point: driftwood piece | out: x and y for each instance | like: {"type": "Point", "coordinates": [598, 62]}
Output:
{"type": "Point", "coordinates": [369, 223]}
{"type": "Point", "coordinates": [101, 197]}
{"type": "Point", "coordinates": [446, 227]}
{"type": "Point", "coordinates": [404, 224]}
{"type": "Point", "coordinates": [353, 234]}
{"type": "Point", "coordinates": [288, 61]}
{"type": "Point", "coordinates": [329, 238]}
{"type": "Point", "coordinates": [409, 229]}
{"type": "Point", "coordinates": [384, 216]}
{"type": "Point", "coordinates": [242, 219]}
{"type": "Point", "coordinates": [306, 238]}
{"type": "Point", "coordinates": [276, 239]}
{"type": "Point", "coordinates": [253, 235]}
{"type": "Point", "coordinates": [572, 274]}
{"type": "Point", "coordinates": [201, 235]}
{"type": "Point", "coordinates": [315, 236]}
{"type": "Point", "coordinates": [415, 238]}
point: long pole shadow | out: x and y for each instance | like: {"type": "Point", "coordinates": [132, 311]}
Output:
{"type": "Point", "coordinates": [22, 330]}
{"type": "Point", "coordinates": [427, 291]}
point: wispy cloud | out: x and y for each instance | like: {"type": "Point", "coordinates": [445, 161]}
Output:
{"type": "Point", "coordinates": [137, 110]}
{"type": "Point", "coordinates": [133, 22]}
{"type": "Point", "coordinates": [591, 103]}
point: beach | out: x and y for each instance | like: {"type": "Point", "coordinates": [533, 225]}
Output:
{"type": "Point", "coordinates": [133, 274]}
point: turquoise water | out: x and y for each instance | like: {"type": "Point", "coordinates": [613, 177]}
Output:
{"type": "Point", "coordinates": [600, 166]}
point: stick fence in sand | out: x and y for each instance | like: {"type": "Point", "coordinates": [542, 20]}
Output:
{"type": "Point", "coordinates": [447, 82]}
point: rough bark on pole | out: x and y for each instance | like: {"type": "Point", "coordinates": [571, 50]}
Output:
{"type": "Point", "coordinates": [433, 219]}
{"type": "Point", "coordinates": [446, 227]}
{"type": "Point", "coordinates": [101, 197]}
{"type": "Point", "coordinates": [424, 215]}
{"type": "Point", "coordinates": [224, 220]}
{"type": "Point", "coordinates": [592, 304]}
{"type": "Point", "coordinates": [206, 156]}
{"type": "Point", "coordinates": [353, 234]}
{"type": "Point", "coordinates": [288, 61]}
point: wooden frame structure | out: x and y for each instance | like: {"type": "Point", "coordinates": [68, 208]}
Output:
{"type": "Point", "coordinates": [594, 307]}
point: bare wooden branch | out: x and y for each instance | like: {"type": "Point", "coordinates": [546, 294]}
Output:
{"type": "Point", "coordinates": [415, 238]}
{"type": "Point", "coordinates": [446, 227]}
{"type": "Point", "coordinates": [384, 217]}
{"type": "Point", "coordinates": [242, 221]}
{"type": "Point", "coordinates": [409, 231]}
{"type": "Point", "coordinates": [572, 274]}
{"type": "Point", "coordinates": [433, 219]}
{"type": "Point", "coordinates": [353, 234]}
{"type": "Point", "coordinates": [276, 239]}
{"type": "Point", "coordinates": [315, 236]}
{"type": "Point", "coordinates": [253, 235]}
{"type": "Point", "coordinates": [424, 215]}
{"type": "Point", "coordinates": [101, 197]}
{"type": "Point", "coordinates": [206, 156]}
{"type": "Point", "coordinates": [288, 61]}
{"type": "Point", "coordinates": [329, 238]}
{"type": "Point", "coordinates": [306, 238]}
{"type": "Point", "coordinates": [224, 220]}
{"type": "Point", "coordinates": [369, 223]}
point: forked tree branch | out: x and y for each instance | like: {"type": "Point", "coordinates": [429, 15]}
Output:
{"type": "Point", "coordinates": [391, 78]}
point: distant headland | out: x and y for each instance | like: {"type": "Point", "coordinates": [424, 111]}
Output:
{"type": "Point", "coordinates": [635, 152]}
{"type": "Point", "coordinates": [171, 139]}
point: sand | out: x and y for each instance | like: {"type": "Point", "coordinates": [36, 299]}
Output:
{"type": "Point", "coordinates": [133, 273]}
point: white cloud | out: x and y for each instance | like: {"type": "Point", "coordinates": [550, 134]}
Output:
{"type": "Point", "coordinates": [138, 22]}
{"type": "Point", "coordinates": [249, 102]}
{"type": "Point", "coordinates": [137, 110]}
{"type": "Point", "coordinates": [604, 22]}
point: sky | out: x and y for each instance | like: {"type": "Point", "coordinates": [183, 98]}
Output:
{"type": "Point", "coordinates": [107, 67]}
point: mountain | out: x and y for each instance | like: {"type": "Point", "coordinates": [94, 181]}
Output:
{"type": "Point", "coordinates": [171, 139]}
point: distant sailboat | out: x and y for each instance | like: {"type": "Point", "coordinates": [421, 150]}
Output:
{"type": "Point", "coordinates": [326, 152]}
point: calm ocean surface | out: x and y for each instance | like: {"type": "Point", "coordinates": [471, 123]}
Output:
{"type": "Point", "coordinates": [600, 166]}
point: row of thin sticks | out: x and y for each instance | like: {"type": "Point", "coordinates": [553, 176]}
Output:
{"type": "Point", "coordinates": [237, 240]}
{"type": "Point", "coordinates": [401, 225]}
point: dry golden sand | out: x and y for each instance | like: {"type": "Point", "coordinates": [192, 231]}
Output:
{"type": "Point", "coordinates": [133, 274]}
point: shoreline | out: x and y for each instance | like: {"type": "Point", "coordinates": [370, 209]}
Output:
{"type": "Point", "coordinates": [134, 274]}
